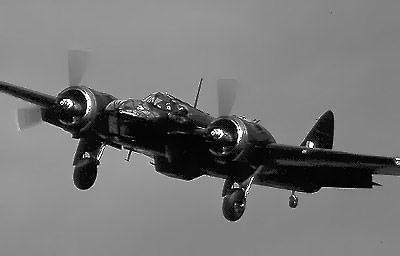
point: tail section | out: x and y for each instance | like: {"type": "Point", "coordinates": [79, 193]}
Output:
{"type": "Point", "coordinates": [321, 135]}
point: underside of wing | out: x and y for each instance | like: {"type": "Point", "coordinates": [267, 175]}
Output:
{"type": "Point", "coordinates": [311, 157]}
{"type": "Point", "coordinates": [311, 179]}
{"type": "Point", "coordinates": [308, 169]}
{"type": "Point", "coordinates": [389, 170]}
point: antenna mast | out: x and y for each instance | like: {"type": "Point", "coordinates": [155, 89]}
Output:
{"type": "Point", "coordinates": [198, 92]}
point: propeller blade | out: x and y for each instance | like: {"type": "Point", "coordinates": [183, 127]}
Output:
{"type": "Point", "coordinates": [77, 62]}
{"type": "Point", "coordinates": [28, 117]}
{"type": "Point", "coordinates": [226, 95]}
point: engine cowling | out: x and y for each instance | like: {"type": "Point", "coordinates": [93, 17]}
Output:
{"type": "Point", "coordinates": [76, 109]}
{"type": "Point", "coordinates": [78, 106]}
{"type": "Point", "coordinates": [234, 139]}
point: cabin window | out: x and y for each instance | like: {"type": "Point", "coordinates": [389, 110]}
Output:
{"type": "Point", "coordinates": [149, 99]}
{"type": "Point", "coordinates": [163, 102]}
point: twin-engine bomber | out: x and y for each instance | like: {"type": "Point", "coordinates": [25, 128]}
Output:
{"type": "Point", "coordinates": [185, 143]}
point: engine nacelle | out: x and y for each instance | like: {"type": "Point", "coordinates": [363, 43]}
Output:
{"type": "Point", "coordinates": [233, 139]}
{"type": "Point", "coordinates": [76, 109]}
{"type": "Point", "coordinates": [80, 105]}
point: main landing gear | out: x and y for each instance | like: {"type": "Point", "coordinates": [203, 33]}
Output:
{"type": "Point", "coordinates": [86, 161]}
{"type": "Point", "coordinates": [234, 202]}
{"type": "Point", "coordinates": [85, 174]}
{"type": "Point", "coordinates": [293, 200]}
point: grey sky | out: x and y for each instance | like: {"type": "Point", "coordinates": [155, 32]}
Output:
{"type": "Point", "coordinates": [295, 59]}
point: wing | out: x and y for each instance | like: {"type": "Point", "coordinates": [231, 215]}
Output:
{"type": "Point", "coordinates": [308, 169]}
{"type": "Point", "coordinates": [310, 157]}
{"type": "Point", "coordinates": [34, 97]}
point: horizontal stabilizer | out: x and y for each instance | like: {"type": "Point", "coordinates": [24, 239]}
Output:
{"type": "Point", "coordinates": [321, 135]}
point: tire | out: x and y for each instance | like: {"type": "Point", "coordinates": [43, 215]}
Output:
{"type": "Point", "coordinates": [234, 204]}
{"type": "Point", "coordinates": [293, 202]}
{"type": "Point", "coordinates": [85, 174]}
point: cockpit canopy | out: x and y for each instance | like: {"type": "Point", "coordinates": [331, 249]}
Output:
{"type": "Point", "coordinates": [162, 101]}
{"type": "Point", "coordinates": [127, 105]}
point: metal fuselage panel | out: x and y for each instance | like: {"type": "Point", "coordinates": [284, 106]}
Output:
{"type": "Point", "coordinates": [146, 128]}
{"type": "Point", "coordinates": [157, 132]}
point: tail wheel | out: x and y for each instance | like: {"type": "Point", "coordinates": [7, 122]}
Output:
{"type": "Point", "coordinates": [293, 201]}
{"type": "Point", "coordinates": [234, 204]}
{"type": "Point", "coordinates": [85, 174]}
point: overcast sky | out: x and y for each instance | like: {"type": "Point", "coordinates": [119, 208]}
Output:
{"type": "Point", "coordinates": [295, 59]}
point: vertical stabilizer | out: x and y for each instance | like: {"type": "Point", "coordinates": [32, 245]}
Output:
{"type": "Point", "coordinates": [321, 135]}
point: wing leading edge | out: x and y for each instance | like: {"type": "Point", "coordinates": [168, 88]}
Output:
{"type": "Point", "coordinates": [41, 99]}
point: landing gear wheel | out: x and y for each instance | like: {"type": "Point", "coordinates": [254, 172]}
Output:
{"type": "Point", "coordinates": [85, 174]}
{"type": "Point", "coordinates": [293, 201]}
{"type": "Point", "coordinates": [234, 204]}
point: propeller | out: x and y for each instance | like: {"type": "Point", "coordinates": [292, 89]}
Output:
{"type": "Point", "coordinates": [226, 92]}
{"type": "Point", "coordinates": [77, 62]}
{"type": "Point", "coordinates": [28, 117]}
{"type": "Point", "coordinates": [226, 95]}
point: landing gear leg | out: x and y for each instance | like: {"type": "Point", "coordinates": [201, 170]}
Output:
{"type": "Point", "coordinates": [128, 157]}
{"type": "Point", "coordinates": [227, 188]}
{"type": "Point", "coordinates": [293, 200]}
{"type": "Point", "coordinates": [234, 202]}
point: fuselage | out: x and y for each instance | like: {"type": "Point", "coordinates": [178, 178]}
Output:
{"type": "Point", "coordinates": [158, 124]}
